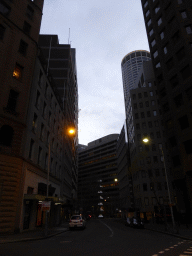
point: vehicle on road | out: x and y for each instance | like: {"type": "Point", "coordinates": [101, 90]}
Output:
{"type": "Point", "coordinates": [77, 221]}
{"type": "Point", "coordinates": [135, 222]}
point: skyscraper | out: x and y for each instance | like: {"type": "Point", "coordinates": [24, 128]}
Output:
{"type": "Point", "coordinates": [169, 30]}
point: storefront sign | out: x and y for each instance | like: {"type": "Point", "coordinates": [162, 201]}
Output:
{"type": "Point", "coordinates": [46, 205]}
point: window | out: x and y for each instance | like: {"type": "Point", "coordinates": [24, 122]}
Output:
{"type": "Point", "coordinates": [2, 31]}
{"type": "Point", "coordinates": [152, 186]}
{"type": "Point", "coordinates": [180, 54]}
{"type": "Point", "coordinates": [157, 173]}
{"type": "Point", "coordinates": [179, 1]}
{"type": "Point", "coordinates": [145, 94]}
{"type": "Point", "coordinates": [153, 147]}
{"type": "Point", "coordinates": [186, 72]}
{"type": "Point", "coordinates": [143, 125]}
{"type": "Point", "coordinates": [30, 190]}
{"type": "Point", "coordinates": [153, 43]}
{"type": "Point", "coordinates": [137, 126]}
{"type": "Point", "coordinates": [146, 201]}
{"type": "Point", "coordinates": [176, 160]}
{"type": "Point", "coordinates": [12, 101]}
{"type": "Point", "coordinates": [42, 131]}
{"type": "Point", "coordinates": [37, 103]}
{"type": "Point", "coordinates": [174, 81]}
{"type": "Point", "coordinates": [26, 28]}
{"type": "Point", "coordinates": [150, 173]}
{"type": "Point", "coordinates": [155, 159]}
{"type": "Point", "coordinates": [152, 135]}
{"type": "Point", "coordinates": [23, 47]}
{"type": "Point", "coordinates": [170, 64]}
{"type": "Point", "coordinates": [165, 50]}
{"type": "Point", "coordinates": [158, 65]}
{"type": "Point", "coordinates": [136, 116]}
{"type": "Point", "coordinates": [151, 93]}
{"type": "Point", "coordinates": [142, 115]}
{"type": "Point", "coordinates": [147, 13]}
{"type": "Point", "coordinates": [30, 12]}
{"type": "Point", "coordinates": [162, 35]}
{"type": "Point", "coordinates": [188, 29]}
{"type": "Point", "coordinates": [150, 124]}
{"type": "Point", "coordinates": [151, 32]}
{"type": "Point", "coordinates": [157, 9]}
{"type": "Point", "coordinates": [31, 149]}
{"type": "Point", "coordinates": [165, 107]}
{"type": "Point", "coordinates": [134, 96]}
{"type": "Point", "coordinates": [149, 23]}
{"type": "Point", "coordinates": [17, 73]}
{"type": "Point", "coordinates": [173, 141]}
{"type": "Point", "coordinates": [6, 135]}
{"type": "Point", "coordinates": [4, 8]}
{"type": "Point", "coordinates": [178, 100]}
{"type": "Point", "coordinates": [138, 137]}
{"type": "Point", "coordinates": [187, 145]}
{"type": "Point", "coordinates": [144, 186]}
{"type": "Point", "coordinates": [176, 37]}
{"type": "Point", "coordinates": [184, 123]}
{"type": "Point", "coordinates": [148, 160]}
{"type": "Point", "coordinates": [158, 135]}
{"type": "Point", "coordinates": [147, 103]}
{"type": "Point", "coordinates": [140, 149]}
{"type": "Point", "coordinates": [155, 54]}
{"type": "Point", "coordinates": [135, 106]}
{"type": "Point", "coordinates": [153, 103]}
{"type": "Point", "coordinates": [183, 15]}
{"type": "Point", "coordinates": [159, 21]}
{"type": "Point", "coordinates": [39, 155]}
{"type": "Point", "coordinates": [34, 125]}
{"type": "Point", "coordinates": [150, 84]}
{"type": "Point", "coordinates": [140, 95]}
{"type": "Point", "coordinates": [156, 123]}
{"type": "Point", "coordinates": [141, 104]}
{"type": "Point", "coordinates": [148, 114]}
{"type": "Point", "coordinates": [40, 78]}
{"type": "Point", "coordinates": [146, 3]}
{"type": "Point", "coordinates": [159, 187]}
{"type": "Point", "coordinates": [44, 109]}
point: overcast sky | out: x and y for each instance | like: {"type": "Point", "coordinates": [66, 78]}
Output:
{"type": "Point", "coordinates": [103, 32]}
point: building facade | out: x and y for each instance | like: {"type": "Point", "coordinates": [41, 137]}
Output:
{"type": "Point", "coordinates": [169, 30]}
{"type": "Point", "coordinates": [98, 186]}
{"type": "Point", "coordinates": [18, 51]}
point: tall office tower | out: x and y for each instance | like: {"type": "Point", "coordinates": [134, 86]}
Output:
{"type": "Point", "coordinates": [98, 187]}
{"type": "Point", "coordinates": [61, 64]}
{"type": "Point", "coordinates": [19, 31]}
{"type": "Point", "coordinates": [147, 165]}
{"type": "Point", "coordinates": [169, 30]}
{"type": "Point", "coordinates": [130, 66]}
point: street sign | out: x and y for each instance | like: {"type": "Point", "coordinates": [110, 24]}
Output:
{"type": "Point", "coordinates": [46, 205]}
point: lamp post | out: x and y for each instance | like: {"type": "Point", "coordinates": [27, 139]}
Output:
{"type": "Point", "coordinates": [71, 132]}
{"type": "Point", "coordinates": [146, 140]}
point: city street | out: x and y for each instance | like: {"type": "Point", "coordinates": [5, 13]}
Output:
{"type": "Point", "coordinates": [102, 237]}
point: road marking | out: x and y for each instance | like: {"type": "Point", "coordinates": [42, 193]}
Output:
{"type": "Point", "coordinates": [155, 255]}
{"type": "Point", "coordinates": [188, 252]}
{"type": "Point", "coordinates": [167, 249]}
{"type": "Point", "coordinates": [171, 247]}
{"type": "Point", "coordinates": [175, 245]}
{"type": "Point", "coordinates": [161, 252]}
{"type": "Point", "coordinates": [112, 233]}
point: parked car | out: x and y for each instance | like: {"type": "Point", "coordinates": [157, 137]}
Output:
{"type": "Point", "coordinates": [134, 222]}
{"type": "Point", "coordinates": [77, 221]}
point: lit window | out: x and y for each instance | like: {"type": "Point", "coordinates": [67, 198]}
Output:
{"type": "Point", "coordinates": [157, 9]}
{"type": "Point", "coordinates": [151, 93]}
{"type": "Point", "coordinates": [155, 54]}
{"type": "Point", "coordinates": [147, 13]}
{"type": "Point", "coordinates": [159, 21]}
{"type": "Point", "coordinates": [184, 15]}
{"type": "Point", "coordinates": [153, 42]}
{"type": "Point", "coordinates": [146, 3]}
{"type": "Point", "coordinates": [165, 50]}
{"type": "Point", "coordinates": [155, 113]}
{"type": "Point", "coordinates": [17, 73]}
{"type": "Point", "coordinates": [149, 23]}
{"type": "Point", "coordinates": [162, 35]}
{"type": "Point", "coordinates": [151, 32]}
{"type": "Point", "coordinates": [188, 29]}
{"type": "Point", "coordinates": [150, 84]}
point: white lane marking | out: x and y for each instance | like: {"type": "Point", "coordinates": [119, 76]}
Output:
{"type": "Point", "coordinates": [112, 233]}
{"type": "Point", "coordinates": [155, 255]}
{"type": "Point", "coordinates": [175, 245]}
{"type": "Point", "coordinates": [171, 247]}
{"type": "Point", "coordinates": [161, 252]}
{"type": "Point", "coordinates": [167, 249]}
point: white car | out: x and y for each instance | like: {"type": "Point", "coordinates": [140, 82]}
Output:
{"type": "Point", "coordinates": [77, 221]}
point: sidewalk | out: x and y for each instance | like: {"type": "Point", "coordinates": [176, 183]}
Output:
{"type": "Point", "coordinates": [181, 231]}
{"type": "Point", "coordinates": [33, 234]}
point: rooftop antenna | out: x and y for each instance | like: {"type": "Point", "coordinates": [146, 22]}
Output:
{"type": "Point", "coordinates": [69, 36]}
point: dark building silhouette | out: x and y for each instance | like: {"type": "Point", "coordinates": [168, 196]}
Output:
{"type": "Point", "coordinates": [169, 30]}
{"type": "Point", "coordinates": [98, 186]}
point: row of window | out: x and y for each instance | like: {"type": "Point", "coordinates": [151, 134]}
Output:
{"type": "Point", "coordinates": [149, 173]}
{"type": "Point", "coordinates": [144, 94]}
{"type": "Point", "coordinates": [148, 114]}
{"type": "Point", "coordinates": [141, 104]}
{"type": "Point", "coordinates": [149, 125]}
{"type": "Point", "coordinates": [159, 186]}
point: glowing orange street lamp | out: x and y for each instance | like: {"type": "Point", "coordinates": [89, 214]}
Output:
{"type": "Point", "coordinates": [71, 131]}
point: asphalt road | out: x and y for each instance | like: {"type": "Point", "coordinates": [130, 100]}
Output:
{"type": "Point", "coordinates": [102, 238]}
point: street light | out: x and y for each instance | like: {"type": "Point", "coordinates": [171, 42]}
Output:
{"type": "Point", "coordinates": [71, 132]}
{"type": "Point", "coordinates": [146, 140]}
